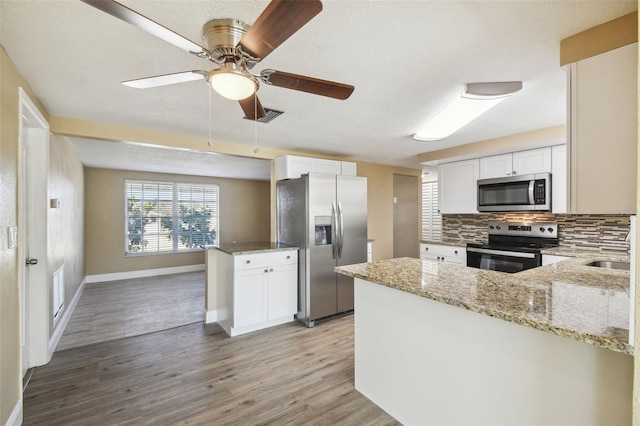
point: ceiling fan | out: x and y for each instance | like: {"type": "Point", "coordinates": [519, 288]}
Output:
{"type": "Point", "coordinates": [236, 48]}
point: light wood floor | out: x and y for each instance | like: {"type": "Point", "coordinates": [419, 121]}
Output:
{"type": "Point", "coordinates": [196, 374]}
{"type": "Point", "coordinates": [124, 308]}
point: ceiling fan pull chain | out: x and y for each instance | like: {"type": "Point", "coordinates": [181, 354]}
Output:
{"type": "Point", "coordinates": [210, 141]}
{"type": "Point", "coordinates": [255, 123]}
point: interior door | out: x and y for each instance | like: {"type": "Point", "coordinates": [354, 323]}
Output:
{"type": "Point", "coordinates": [405, 216]}
{"type": "Point", "coordinates": [352, 202]}
{"type": "Point", "coordinates": [32, 236]}
{"type": "Point", "coordinates": [322, 278]}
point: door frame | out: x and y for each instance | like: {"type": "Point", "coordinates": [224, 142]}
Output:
{"type": "Point", "coordinates": [34, 288]}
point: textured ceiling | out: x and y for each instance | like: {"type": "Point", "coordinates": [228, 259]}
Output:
{"type": "Point", "coordinates": [407, 59]}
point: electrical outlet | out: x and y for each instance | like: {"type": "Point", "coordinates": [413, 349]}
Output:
{"type": "Point", "coordinates": [12, 240]}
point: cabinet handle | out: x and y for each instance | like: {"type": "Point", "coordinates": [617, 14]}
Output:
{"type": "Point", "coordinates": [270, 269]}
{"type": "Point", "coordinates": [426, 249]}
{"type": "Point", "coordinates": [248, 261]}
{"type": "Point", "coordinates": [288, 257]}
{"type": "Point", "coordinates": [266, 270]}
{"type": "Point", "coordinates": [508, 173]}
{"type": "Point", "coordinates": [456, 252]}
{"type": "Point", "coordinates": [515, 173]}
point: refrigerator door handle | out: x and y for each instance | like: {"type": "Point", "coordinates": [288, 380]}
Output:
{"type": "Point", "coordinates": [334, 231]}
{"type": "Point", "coordinates": [340, 230]}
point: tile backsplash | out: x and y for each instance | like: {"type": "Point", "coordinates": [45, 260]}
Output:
{"type": "Point", "coordinates": [596, 232]}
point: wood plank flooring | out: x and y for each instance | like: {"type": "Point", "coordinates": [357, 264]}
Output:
{"type": "Point", "coordinates": [124, 308]}
{"type": "Point", "coordinates": [197, 375]}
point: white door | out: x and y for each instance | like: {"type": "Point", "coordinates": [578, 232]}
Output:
{"type": "Point", "coordinates": [32, 231]}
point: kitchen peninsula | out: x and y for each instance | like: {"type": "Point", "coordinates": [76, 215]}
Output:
{"type": "Point", "coordinates": [439, 343]}
{"type": "Point", "coordinates": [251, 285]}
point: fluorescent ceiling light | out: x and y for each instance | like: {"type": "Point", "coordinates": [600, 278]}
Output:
{"type": "Point", "coordinates": [164, 80]}
{"type": "Point", "coordinates": [456, 115]}
{"type": "Point", "coordinates": [477, 99]}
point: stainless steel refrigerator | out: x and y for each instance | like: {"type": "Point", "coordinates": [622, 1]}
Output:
{"type": "Point", "coordinates": [326, 216]}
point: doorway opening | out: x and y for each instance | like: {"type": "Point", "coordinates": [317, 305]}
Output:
{"type": "Point", "coordinates": [406, 191]}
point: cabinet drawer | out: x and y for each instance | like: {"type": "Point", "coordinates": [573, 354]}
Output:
{"type": "Point", "coordinates": [261, 260]}
{"type": "Point", "coordinates": [452, 252]}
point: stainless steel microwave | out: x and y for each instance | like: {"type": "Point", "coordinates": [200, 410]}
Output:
{"type": "Point", "coordinates": [515, 193]}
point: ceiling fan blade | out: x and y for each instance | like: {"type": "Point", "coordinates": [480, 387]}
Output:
{"type": "Point", "coordinates": [122, 12]}
{"type": "Point", "coordinates": [277, 23]}
{"type": "Point", "coordinates": [303, 83]}
{"type": "Point", "coordinates": [252, 108]}
{"type": "Point", "coordinates": [166, 79]}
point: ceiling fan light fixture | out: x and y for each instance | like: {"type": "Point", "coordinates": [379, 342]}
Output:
{"type": "Point", "coordinates": [475, 100]}
{"type": "Point", "coordinates": [232, 82]}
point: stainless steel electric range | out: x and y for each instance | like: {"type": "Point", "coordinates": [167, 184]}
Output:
{"type": "Point", "coordinates": [512, 247]}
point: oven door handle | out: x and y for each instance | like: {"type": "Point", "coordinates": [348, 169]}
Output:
{"type": "Point", "coordinates": [501, 252]}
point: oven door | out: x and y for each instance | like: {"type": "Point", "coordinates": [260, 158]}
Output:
{"type": "Point", "coordinates": [502, 260]}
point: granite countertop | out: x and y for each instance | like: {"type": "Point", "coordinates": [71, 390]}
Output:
{"type": "Point", "coordinates": [567, 298]}
{"type": "Point", "coordinates": [616, 256]}
{"type": "Point", "coordinates": [251, 247]}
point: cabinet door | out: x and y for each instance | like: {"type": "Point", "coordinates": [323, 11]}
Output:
{"type": "Point", "coordinates": [457, 187]}
{"type": "Point", "coordinates": [292, 166]}
{"type": "Point", "coordinates": [331, 167]}
{"type": "Point", "coordinates": [559, 179]}
{"type": "Point", "coordinates": [250, 297]}
{"type": "Point", "coordinates": [604, 132]}
{"type": "Point", "coordinates": [496, 166]}
{"type": "Point", "coordinates": [532, 161]}
{"type": "Point", "coordinates": [282, 291]}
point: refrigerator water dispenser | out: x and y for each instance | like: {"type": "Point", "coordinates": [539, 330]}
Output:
{"type": "Point", "coordinates": [322, 230]}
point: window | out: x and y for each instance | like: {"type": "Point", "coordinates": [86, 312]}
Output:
{"type": "Point", "coordinates": [164, 217]}
{"type": "Point", "coordinates": [431, 219]}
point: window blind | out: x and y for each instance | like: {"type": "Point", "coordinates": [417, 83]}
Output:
{"type": "Point", "coordinates": [431, 219]}
{"type": "Point", "coordinates": [170, 216]}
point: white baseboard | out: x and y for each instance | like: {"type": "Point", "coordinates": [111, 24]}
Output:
{"type": "Point", "coordinates": [15, 419]}
{"type": "Point", "coordinates": [66, 317]}
{"type": "Point", "coordinates": [115, 276]}
{"type": "Point", "coordinates": [210, 316]}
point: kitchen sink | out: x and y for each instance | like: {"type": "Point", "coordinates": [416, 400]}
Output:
{"type": "Point", "coordinates": [610, 265]}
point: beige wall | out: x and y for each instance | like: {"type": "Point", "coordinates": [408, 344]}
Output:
{"type": "Point", "coordinates": [65, 224]}
{"type": "Point", "coordinates": [10, 384]}
{"type": "Point", "coordinates": [244, 216]}
{"type": "Point", "coordinates": [380, 205]}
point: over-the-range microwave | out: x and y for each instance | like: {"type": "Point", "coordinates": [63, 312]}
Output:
{"type": "Point", "coordinates": [515, 193]}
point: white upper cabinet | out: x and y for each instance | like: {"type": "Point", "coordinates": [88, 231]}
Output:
{"type": "Point", "coordinates": [457, 187]}
{"type": "Point", "coordinates": [517, 163]}
{"type": "Point", "coordinates": [293, 166]}
{"type": "Point", "coordinates": [603, 132]}
{"type": "Point", "coordinates": [496, 166]}
{"type": "Point", "coordinates": [532, 161]}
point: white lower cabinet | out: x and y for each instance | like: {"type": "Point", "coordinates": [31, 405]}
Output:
{"type": "Point", "coordinates": [256, 291]}
{"type": "Point", "coordinates": [444, 253]}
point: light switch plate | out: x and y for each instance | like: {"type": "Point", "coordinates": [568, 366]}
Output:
{"type": "Point", "coordinates": [12, 233]}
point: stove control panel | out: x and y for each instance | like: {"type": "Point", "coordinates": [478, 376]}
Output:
{"type": "Point", "coordinates": [542, 229]}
